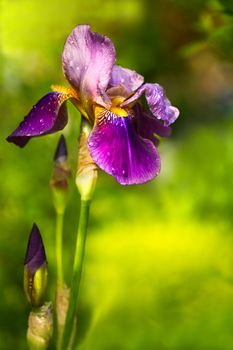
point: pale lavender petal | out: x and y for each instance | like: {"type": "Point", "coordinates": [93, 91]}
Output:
{"type": "Point", "coordinates": [157, 101]}
{"type": "Point", "coordinates": [117, 149]}
{"type": "Point", "coordinates": [88, 58]}
{"type": "Point", "coordinates": [148, 125]}
{"type": "Point", "coordinates": [118, 91]}
{"type": "Point", "coordinates": [47, 116]}
{"type": "Point", "coordinates": [128, 78]}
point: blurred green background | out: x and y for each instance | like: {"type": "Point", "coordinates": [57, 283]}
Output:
{"type": "Point", "coordinates": [159, 264]}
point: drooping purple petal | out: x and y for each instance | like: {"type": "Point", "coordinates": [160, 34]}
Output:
{"type": "Point", "coordinates": [35, 255]}
{"type": "Point", "coordinates": [128, 78]}
{"type": "Point", "coordinates": [157, 101]}
{"type": "Point", "coordinates": [88, 58]}
{"type": "Point", "coordinates": [117, 149]}
{"type": "Point", "coordinates": [47, 116]}
{"type": "Point", "coordinates": [148, 125]}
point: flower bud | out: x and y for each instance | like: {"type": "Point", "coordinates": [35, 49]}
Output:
{"type": "Point", "coordinates": [60, 176]}
{"type": "Point", "coordinates": [40, 327]}
{"type": "Point", "coordinates": [87, 169]}
{"type": "Point", "coordinates": [35, 269]}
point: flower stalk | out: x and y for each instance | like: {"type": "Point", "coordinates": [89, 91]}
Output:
{"type": "Point", "coordinates": [85, 181]}
{"type": "Point", "coordinates": [59, 244]}
{"type": "Point", "coordinates": [59, 184]}
{"type": "Point", "coordinates": [77, 272]}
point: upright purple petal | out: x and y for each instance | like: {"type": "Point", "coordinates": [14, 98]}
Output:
{"type": "Point", "coordinates": [117, 149]}
{"type": "Point", "coordinates": [128, 78]}
{"type": "Point", "coordinates": [88, 58]}
{"type": "Point", "coordinates": [157, 101]}
{"type": "Point", "coordinates": [148, 125]}
{"type": "Point", "coordinates": [47, 116]}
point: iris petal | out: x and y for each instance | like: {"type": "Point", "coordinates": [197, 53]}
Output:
{"type": "Point", "coordinates": [88, 58]}
{"type": "Point", "coordinates": [128, 78]}
{"type": "Point", "coordinates": [117, 149]}
{"type": "Point", "coordinates": [148, 125]}
{"type": "Point", "coordinates": [157, 101]}
{"type": "Point", "coordinates": [47, 116]}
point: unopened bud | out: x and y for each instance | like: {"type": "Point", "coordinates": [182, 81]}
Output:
{"type": "Point", "coordinates": [60, 177]}
{"type": "Point", "coordinates": [40, 327]}
{"type": "Point", "coordinates": [87, 169]}
{"type": "Point", "coordinates": [61, 151]}
{"type": "Point", "coordinates": [35, 269]}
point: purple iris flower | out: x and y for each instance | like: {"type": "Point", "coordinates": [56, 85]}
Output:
{"type": "Point", "coordinates": [122, 141]}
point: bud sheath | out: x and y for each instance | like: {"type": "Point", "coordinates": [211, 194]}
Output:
{"type": "Point", "coordinates": [40, 327]}
{"type": "Point", "coordinates": [60, 177]}
{"type": "Point", "coordinates": [87, 169]}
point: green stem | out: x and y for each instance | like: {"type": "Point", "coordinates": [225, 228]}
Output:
{"type": "Point", "coordinates": [77, 271]}
{"type": "Point", "coordinates": [59, 242]}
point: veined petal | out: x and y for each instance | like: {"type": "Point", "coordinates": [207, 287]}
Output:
{"type": "Point", "coordinates": [157, 101]}
{"type": "Point", "coordinates": [88, 58]}
{"type": "Point", "coordinates": [47, 116]}
{"type": "Point", "coordinates": [117, 149]}
{"type": "Point", "coordinates": [125, 77]}
{"type": "Point", "coordinates": [148, 125]}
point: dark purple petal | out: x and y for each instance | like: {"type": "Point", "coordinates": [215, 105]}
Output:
{"type": "Point", "coordinates": [35, 255]}
{"type": "Point", "coordinates": [117, 149]}
{"type": "Point", "coordinates": [148, 125]}
{"type": "Point", "coordinates": [157, 101]}
{"type": "Point", "coordinates": [47, 116]}
{"type": "Point", "coordinates": [88, 58]}
{"type": "Point", "coordinates": [128, 78]}
{"type": "Point", "coordinates": [61, 151]}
